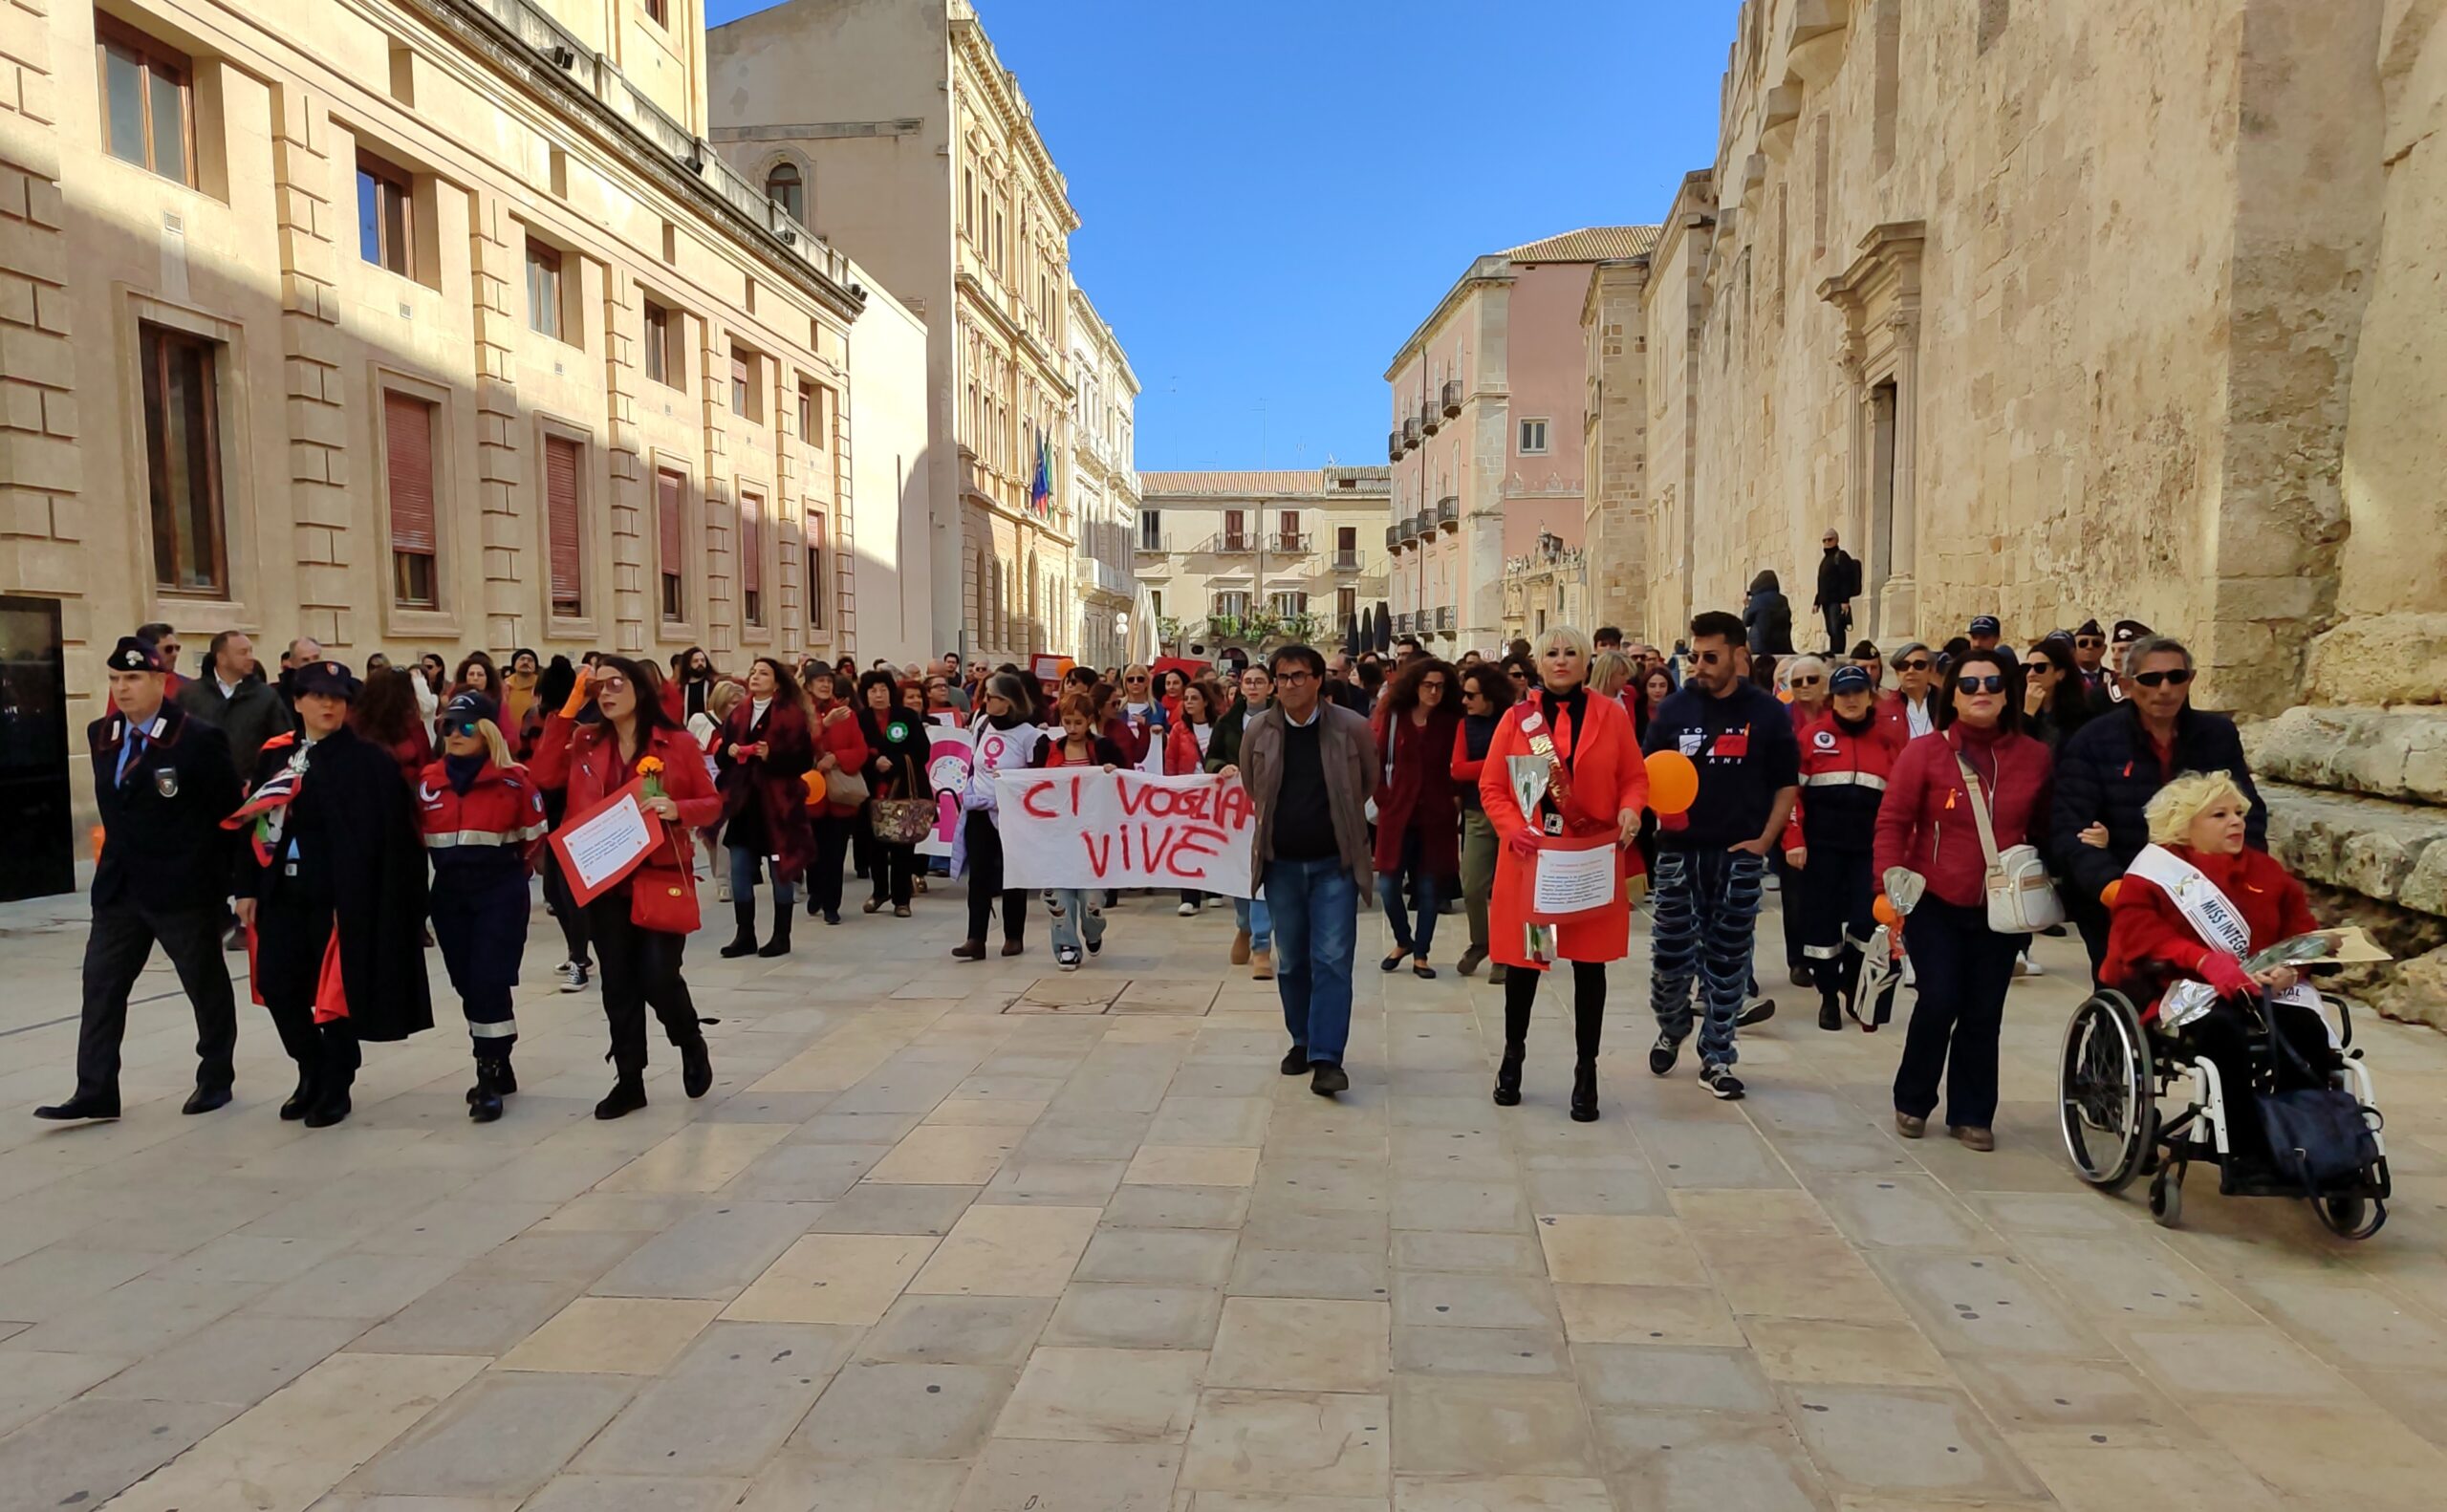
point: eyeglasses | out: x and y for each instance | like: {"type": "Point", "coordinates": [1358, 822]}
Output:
{"type": "Point", "coordinates": [1808, 683]}
{"type": "Point", "coordinates": [1294, 675]}
{"type": "Point", "coordinates": [1993, 683]}
{"type": "Point", "coordinates": [1916, 665]}
{"type": "Point", "coordinates": [611, 684]}
{"type": "Point", "coordinates": [1437, 684]}
{"type": "Point", "coordinates": [2175, 678]}
{"type": "Point", "coordinates": [462, 727]}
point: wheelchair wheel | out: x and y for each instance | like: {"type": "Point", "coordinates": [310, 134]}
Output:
{"type": "Point", "coordinates": [2352, 1216]}
{"type": "Point", "coordinates": [2107, 1103]}
{"type": "Point", "coordinates": [2166, 1194]}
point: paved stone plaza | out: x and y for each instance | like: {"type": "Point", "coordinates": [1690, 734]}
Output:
{"type": "Point", "coordinates": [988, 1238]}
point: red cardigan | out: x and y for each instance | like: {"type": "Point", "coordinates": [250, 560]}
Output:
{"type": "Point", "coordinates": [585, 761]}
{"type": "Point", "coordinates": [2150, 945]}
{"type": "Point", "coordinates": [1924, 822]}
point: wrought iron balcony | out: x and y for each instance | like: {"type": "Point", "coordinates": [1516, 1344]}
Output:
{"type": "Point", "coordinates": [1446, 616]}
{"type": "Point", "coordinates": [1430, 419]}
{"type": "Point", "coordinates": [1410, 433]}
{"type": "Point", "coordinates": [1349, 561]}
{"type": "Point", "coordinates": [1290, 543]}
{"type": "Point", "coordinates": [1449, 511]}
{"type": "Point", "coordinates": [1393, 446]}
{"type": "Point", "coordinates": [1423, 523]}
{"type": "Point", "coordinates": [1453, 398]}
{"type": "Point", "coordinates": [1392, 537]}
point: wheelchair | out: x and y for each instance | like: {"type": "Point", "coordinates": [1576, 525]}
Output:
{"type": "Point", "coordinates": [2114, 1072]}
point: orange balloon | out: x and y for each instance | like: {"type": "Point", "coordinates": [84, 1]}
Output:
{"type": "Point", "coordinates": [1672, 783]}
{"type": "Point", "coordinates": [1883, 911]}
{"type": "Point", "coordinates": [2107, 893]}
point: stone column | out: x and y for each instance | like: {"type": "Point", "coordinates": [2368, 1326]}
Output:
{"type": "Point", "coordinates": [632, 492]}
{"type": "Point", "coordinates": [717, 629]}
{"type": "Point", "coordinates": [497, 264]}
{"type": "Point", "coordinates": [317, 442]}
{"type": "Point", "coordinates": [1898, 602]}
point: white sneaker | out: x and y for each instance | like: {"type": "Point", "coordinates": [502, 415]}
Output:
{"type": "Point", "coordinates": [1067, 958]}
{"type": "Point", "coordinates": [572, 976]}
{"type": "Point", "coordinates": [721, 891]}
{"type": "Point", "coordinates": [1189, 911]}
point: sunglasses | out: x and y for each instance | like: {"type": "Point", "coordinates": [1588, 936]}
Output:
{"type": "Point", "coordinates": [611, 684]}
{"type": "Point", "coordinates": [2089, 642]}
{"type": "Point", "coordinates": [1993, 683]}
{"type": "Point", "coordinates": [2175, 678]}
{"type": "Point", "coordinates": [1135, 679]}
{"type": "Point", "coordinates": [1709, 659]}
{"type": "Point", "coordinates": [462, 727]}
{"type": "Point", "coordinates": [1808, 683]}
{"type": "Point", "coordinates": [1916, 665]}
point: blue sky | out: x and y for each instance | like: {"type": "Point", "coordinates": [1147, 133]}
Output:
{"type": "Point", "coordinates": [1273, 194]}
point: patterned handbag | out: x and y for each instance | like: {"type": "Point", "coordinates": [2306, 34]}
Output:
{"type": "Point", "coordinates": [902, 821]}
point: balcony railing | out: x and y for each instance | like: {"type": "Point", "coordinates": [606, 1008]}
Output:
{"type": "Point", "coordinates": [1349, 561]}
{"type": "Point", "coordinates": [1290, 543]}
{"type": "Point", "coordinates": [1392, 537]}
{"type": "Point", "coordinates": [1446, 616]}
{"type": "Point", "coordinates": [1430, 419]}
{"type": "Point", "coordinates": [1410, 433]}
{"type": "Point", "coordinates": [1393, 446]}
{"type": "Point", "coordinates": [1422, 523]}
{"type": "Point", "coordinates": [1228, 542]}
{"type": "Point", "coordinates": [1449, 511]}
{"type": "Point", "coordinates": [1453, 398]}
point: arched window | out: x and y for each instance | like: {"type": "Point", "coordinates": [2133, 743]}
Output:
{"type": "Point", "coordinates": [786, 188]}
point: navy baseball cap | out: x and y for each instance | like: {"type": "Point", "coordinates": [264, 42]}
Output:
{"type": "Point", "coordinates": [467, 709]}
{"type": "Point", "coordinates": [1986, 625]}
{"type": "Point", "coordinates": [1851, 680]}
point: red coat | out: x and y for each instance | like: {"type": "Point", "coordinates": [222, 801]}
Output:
{"type": "Point", "coordinates": [1418, 794]}
{"type": "Point", "coordinates": [1898, 724]}
{"type": "Point", "coordinates": [837, 735]}
{"type": "Point", "coordinates": [1608, 776]}
{"type": "Point", "coordinates": [414, 752]}
{"type": "Point", "coordinates": [1181, 756]}
{"type": "Point", "coordinates": [1926, 824]}
{"type": "Point", "coordinates": [773, 784]}
{"type": "Point", "coordinates": [1843, 782]}
{"type": "Point", "coordinates": [503, 807]}
{"type": "Point", "coordinates": [2150, 945]}
{"type": "Point", "coordinates": [585, 760]}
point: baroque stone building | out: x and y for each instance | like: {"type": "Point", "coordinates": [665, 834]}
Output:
{"type": "Point", "coordinates": [411, 324]}
{"type": "Point", "coordinates": [1105, 489]}
{"type": "Point", "coordinates": [918, 153]}
{"type": "Point", "coordinates": [2124, 309]}
{"type": "Point", "coordinates": [1248, 560]}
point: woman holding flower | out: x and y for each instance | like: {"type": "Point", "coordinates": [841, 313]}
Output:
{"type": "Point", "coordinates": [640, 924]}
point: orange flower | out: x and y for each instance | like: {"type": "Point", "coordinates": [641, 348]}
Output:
{"type": "Point", "coordinates": [649, 766]}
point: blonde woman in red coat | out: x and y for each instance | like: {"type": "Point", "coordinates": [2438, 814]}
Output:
{"type": "Point", "coordinates": [1597, 785]}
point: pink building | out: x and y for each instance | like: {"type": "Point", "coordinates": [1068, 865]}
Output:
{"type": "Point", "coordinates": [1486, 450]}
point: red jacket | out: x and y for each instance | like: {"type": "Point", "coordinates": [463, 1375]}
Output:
{"type": "Point", "coordinates": [837, 735]}
{"type": "Point", "coordinates": [1898, 724]}
{"type": "Point", "coordinates": [586, 762]}
{"type": "Point", "coordinates": [503, 809]}
{"type": "Point", "coordinates": [1181, 756]}
{"type": "Point", "coordinates": [1608, 776]}
{"type": "Point", "coordinates": [772, 784]}
{"type": "Point", "coordinates": [1417, 794]}
{"type": "Point", "coordinates": [1843, 782]}
{"type": "Point", "coordinates": [2150, 945]}
{"type": "Point", "coordinates": [1925, 823]}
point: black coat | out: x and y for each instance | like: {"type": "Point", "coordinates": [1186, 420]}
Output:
{"type": "Point", "coordinates": [163, 844]}
{"type": "Point", "coordinates": [1839, 578]}
{"type": "Point", "coordinates": [377, 872]}
{"type": "Point", "coordinates": [1769, 615]}
{"type": "Point", "coordinates": [249, 717]}
{"type": "Point", "coordinates": [2108, 771]}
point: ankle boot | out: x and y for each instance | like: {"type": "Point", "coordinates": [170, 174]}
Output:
{"type": "Point", "coordinates": [301, 1102]}
{"type": "Point", "coordinates": [336, 1074]}
{"type": "Point", "coordinates": [627, 1095]}
{"type": "Point", "coordinates": [1508, 1077]}
{"type": "Point", "coordinates": [504, 1079]}
{"type": "Point", "coordinates": [696, 1066]}
{"type": "Point", "coordinates": [780, 943]}
{"type": "Point", "coordinates": [1583, 1093]}
{"type": "Point", "coordinates": [743, 944]}
{"type": "Point", "coordinates": [484, 1099]}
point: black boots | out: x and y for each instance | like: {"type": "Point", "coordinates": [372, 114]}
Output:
{"type": "Point", "coordinates": [780, 943]}
{"type": "Point", "coordinates": [1508, 1077]}
{"type": "Point", "coordinates": [695, 1068]}
{"type": "Point", "coordinates": [336, 1075]}
{"type": "Point", "coordinates": [301, 1102]}
{"type": "Point", "coordinates": [743, 907]}
{"type": "Point", "coordinates": [627, 1095]}
{"type": "Point", "coordinates": [493, 1080]}
{"type": "Point", "coordinates": [1583, 1093]}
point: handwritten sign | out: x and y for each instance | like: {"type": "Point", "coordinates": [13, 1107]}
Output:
{"type": "Point", "coordinates": [1088, 828]}
{"type": "Point", "coordinates": [1574, 877]}
{"type": "Point", "coordinates": [605, 844]}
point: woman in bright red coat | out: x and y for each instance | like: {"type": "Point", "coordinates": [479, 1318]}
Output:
{"type": "Point", "coordinates": [1604, 787]}
{"type": "Point", "coordinates": [640, 924]}
{"type": "Point", "coordinates": [839, 747]}
{"type": "Point", "coordinates": [1185, 743]}
{"type": "Point", "coordinates": [762, 755]}
{"type": "Point", "coordinates": [1419, 819]}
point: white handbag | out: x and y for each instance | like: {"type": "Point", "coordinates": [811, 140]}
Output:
{"type": "Point", "coordinates": [2022, 897]}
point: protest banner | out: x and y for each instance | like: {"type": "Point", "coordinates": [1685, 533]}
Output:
{"type": "Point", "coordinates": [1088, 828]}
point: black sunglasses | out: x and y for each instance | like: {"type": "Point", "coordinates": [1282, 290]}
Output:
{"type": "Point", "coordinates": [1916, 665]}
{"type": "Point", "coordinates": [2089, 642]}
{"type": "Point", "coordinates": [1993, 683]}
{"type": "Point", "coordinates": [2173, 678]}
{"type": "Point", "coordinates": [1808, 683]}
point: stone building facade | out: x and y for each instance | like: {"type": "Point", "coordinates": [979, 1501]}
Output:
{"type": "Point", "coordinates": [2125, 309]}
{"type": "Point", "coordinates": [919, 155]}
{"type": "Point", "coordinates": [1105, 489]}
{"type": "Point", "coordinates": [1248, 559]}
{"type": "Point", "coordinates": [414, 324]}
{"type": "Point", "coordinates": [1614, 427]}
{"type": "Point", "coordinates": [1487, 446]}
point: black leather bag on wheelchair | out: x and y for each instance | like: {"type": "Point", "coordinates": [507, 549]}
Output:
{"type": "Point", "coordinates": [2318, 1137]}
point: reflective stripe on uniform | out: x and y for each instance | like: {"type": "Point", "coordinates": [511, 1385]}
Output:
{"type": "Point", "coordinates": [506, 1030]}
{"type": "Point", "coordinates": [451, 837]}
{"type": "Point", "coordinates": [1845, 779]}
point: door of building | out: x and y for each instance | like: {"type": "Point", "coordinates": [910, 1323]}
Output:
{"type": "Point", "coordinates": [40, 857]}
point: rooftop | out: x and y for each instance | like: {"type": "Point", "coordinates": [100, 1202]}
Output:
{"type": "Point", "coordinates": [1252, 483]}
{"type": "Point", "coordinates": [1589, 244]}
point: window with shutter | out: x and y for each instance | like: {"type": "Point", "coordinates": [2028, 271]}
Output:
{"type": "Point", "coordinates": [671, 496]}
{"type": "Point", "coordinates": [752, 557]}
{"type": "Point", "coordinates": [819, 569]}
{"type": "Point", "coordinates": [563, 541]}
{"type": "Point", "coordinates": [407, 429]}
{"type": "Point", "coordinates": [183, 461]}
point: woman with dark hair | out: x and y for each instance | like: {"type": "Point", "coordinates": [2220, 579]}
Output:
{"type": "Point", "coordinates": [898, 752]}
{"type": "Point", "coordinates": [1655, 687]}
{"type": "Point", "coordinates": [1979, 764]}
{"type": "Point", "coordinates": [1007, 741]}
{"type": "Point", "coordinates": [839, 747]}
{"type": "Point", "coordinates": [1185, 748]}
{"type": "Point", "coordinates": [553, 688]}
{"type": "Point", "coordinates": [692, 680]}
{"type": "Point", "coordinates": [1768, 616]}
{"type": "Point", "coordinates": [384, 713]}
{"type": "Point", "coordinates": [477, 674]}
{"type": "Point", "coordinates": [1418, 817]}
{"type": "Point", "coordinates": [2055, 700]}
{"type": "Point", "coordinates": [763, 754]}
{"type": "Point", "coordinates": [1485, 694]}
{"type": "Point", "coordinates": [640, 924]}
{"type": "Point", "coordinates": [1523, 677]}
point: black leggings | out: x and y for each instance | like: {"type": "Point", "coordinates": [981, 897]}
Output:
{"type": "Point", "coordinates": [824, 874]}
{"type": "Point", "coordinates": [641, 967]}
{"type": "Point", "coordinates": [985, 882]}
{"type": "Point", "coordinates": [1588, 1006]}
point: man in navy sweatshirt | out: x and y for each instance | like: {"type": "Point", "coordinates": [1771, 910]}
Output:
{"type": "Point", "coordinates": [1712, 861]}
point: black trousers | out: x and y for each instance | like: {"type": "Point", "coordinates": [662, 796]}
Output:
{"type": "Point", "coordinates": [2089, 916]}
{"type": "Point", "coordinates": [894, 871]}
{"type": "Point", "coordinates": [1832, 899]}
{"type": "Point", "coordinates": [824, 872]}
{"type": "Point", "coordinates": [640, 968]}
{"type": "Point", "coordinates": [1838, 621]}
{"type": "Point", "coordinates": [985, 881]}
{"type": "Point", "coordinates": [481, 928]}
{"type": "Point", "coordinates": [292, 930]}
{"type": "Point", "coordinates": [862, 841]}
{"type": "Point", "coordinates": [122, 940]}
{"type": "Point", "coordinates": [1588, 1006]}
{"type": "Point", "coordinates": [564, 909]}
{"type": "Point", "coordinates": [1963, 968]}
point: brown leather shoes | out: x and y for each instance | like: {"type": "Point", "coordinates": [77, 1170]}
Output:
{"type": "Point", "coordinates": [1983, 1140]}
{"type": "Point", "coordinates": [1910, 1126]}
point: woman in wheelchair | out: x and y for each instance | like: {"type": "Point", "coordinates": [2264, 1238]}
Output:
{"type": "Point", "coordinates": [2194, 903]}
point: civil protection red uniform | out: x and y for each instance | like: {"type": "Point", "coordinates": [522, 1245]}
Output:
{"type": "Point", "coordinates": [586, 762]}
{"type": "Point", "coordinates": [1608, 776]}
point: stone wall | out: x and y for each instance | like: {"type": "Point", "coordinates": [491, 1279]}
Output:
{"type": "Point", "coordinates": [1614, 439]}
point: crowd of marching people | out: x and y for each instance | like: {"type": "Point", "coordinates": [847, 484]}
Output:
{"type": "Point", "coordinates": [1921, 811]}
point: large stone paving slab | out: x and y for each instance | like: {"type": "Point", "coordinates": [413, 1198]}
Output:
{"type": "Point", "coordinates": [915, 1253]}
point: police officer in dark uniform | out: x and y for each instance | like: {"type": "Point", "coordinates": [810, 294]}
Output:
{"type": "Point", "coordinates": [164, 783]}
{"type": "Point", "coordinates": [333, 879]}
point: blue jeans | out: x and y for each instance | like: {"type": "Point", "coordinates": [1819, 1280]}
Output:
{"type": "Point", "coordinates": [1317, 925]}
{"type": "Point", "coordinates": [1252, 915]}
{"type": "Point", "coordinates": [1707, 916]}
{"type": "Point", "coordinates": [1388, 893]}
{"type": "Point", "coordinates": [746, 866]}
{"type": "Point", "coordinates": [1077, 920]}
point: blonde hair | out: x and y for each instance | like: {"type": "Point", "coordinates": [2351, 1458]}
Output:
{"type": "Point", "coordinates": [1608, 672]}
{"type": "Point", "coordinates": [2173, 806]}
{"type": "Point", "coordinates": [722, 697]}
{"type": "Point", "coordinates": [1569, 636]}
{"type": "Point", "coordinates": [496, 748]}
